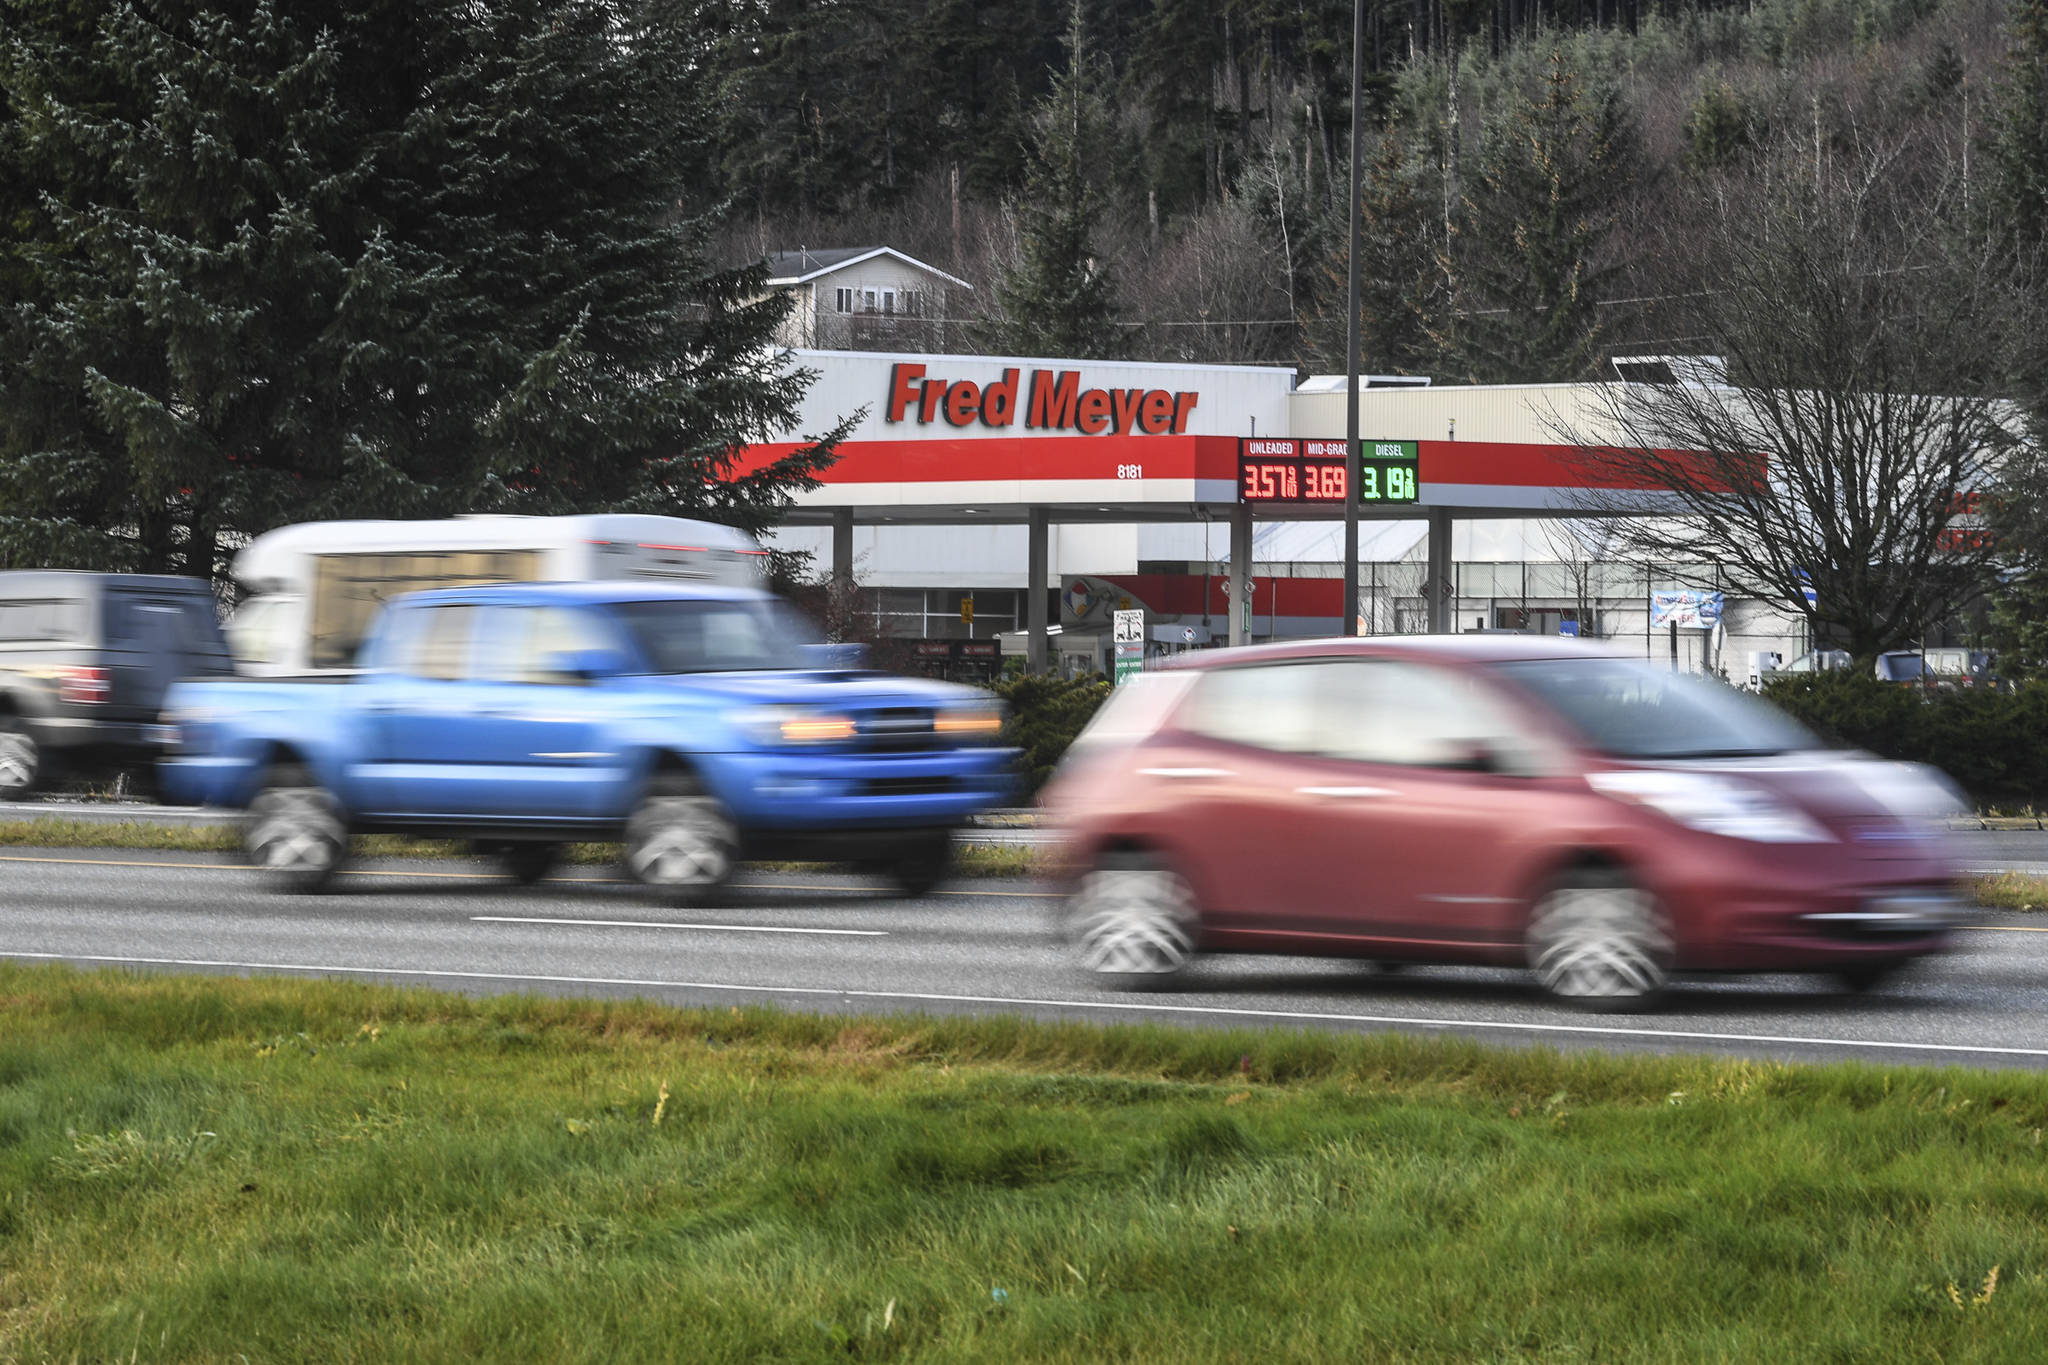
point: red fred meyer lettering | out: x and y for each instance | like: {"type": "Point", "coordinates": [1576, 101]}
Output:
{"type": "Point", "coordinates": [1056, 402]}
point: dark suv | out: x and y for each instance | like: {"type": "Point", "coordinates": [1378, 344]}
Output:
{"type": "Point", "coordinates": [85, 659]}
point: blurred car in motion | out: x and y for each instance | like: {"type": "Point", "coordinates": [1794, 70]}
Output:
{"type": "Point", "coordinates": [85, 660]}
{"type": "Point", "coordinates": [697, 724]}
{"type": "Point", "coordinates": [1497, 800]}
{"type": "Point", "coordinates": [313, 589]}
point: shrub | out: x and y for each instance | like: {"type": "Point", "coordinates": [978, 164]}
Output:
{"type": "Point", "coordinates": [1045, 715]}
{"type": "Point", "coordinates": [1993, 742]}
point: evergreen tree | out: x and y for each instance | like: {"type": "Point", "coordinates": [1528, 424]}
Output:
{"type": "Point", "coordinates": [1057, 298]}
{"type": "Point", "coordinates": [290, 260]}
{"type": "Point", "coordinates": [1718, 131]}
{"type": "Point", "coordinates": [1530, 247]}
{"type": "Point", "coordinates": [2017, 139]}
{"type": "Point", "coordinates": [2015, 217]}
{"type": "Point", "coordinates": [1400, 280]}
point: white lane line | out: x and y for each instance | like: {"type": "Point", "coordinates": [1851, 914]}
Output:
{"type": "Point", "coordinates": [656, 924]}
{"type": "Point", "coordinates": [1108, 1006]}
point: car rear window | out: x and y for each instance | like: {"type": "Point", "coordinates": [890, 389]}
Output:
{"type": "Point", "coordinates": [1136, 709]}
{"type": "Point", "coordinates": [134, 618]}
{"type": "Point", "coordinates": [59, 620]}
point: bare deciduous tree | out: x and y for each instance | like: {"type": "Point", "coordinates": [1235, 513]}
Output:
{"type": "Point", "coordinates": [1861, 409]}
{"type": "Point", "coordinates": [1581, 547]}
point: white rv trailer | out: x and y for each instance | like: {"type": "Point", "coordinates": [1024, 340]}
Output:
{"type": "Point", "coordinates": [314, 588]}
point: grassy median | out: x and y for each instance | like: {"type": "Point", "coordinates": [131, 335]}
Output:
{"type": "Point", "coordinates": [196, 1169]}
{"type": "Point", "coordinates": [61, 832]}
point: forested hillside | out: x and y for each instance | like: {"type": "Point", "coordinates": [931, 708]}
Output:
{"type": "Point", "coordinates": [1545, 183]}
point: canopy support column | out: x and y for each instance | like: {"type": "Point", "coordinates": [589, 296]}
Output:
{"type": "Point", "coordinates": [1037, 525]}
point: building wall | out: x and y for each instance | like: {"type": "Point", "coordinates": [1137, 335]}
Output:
{"type": "Point", "coordinates": [965, 556]}
{"type": "Point", "coordinates": [1534, 414]}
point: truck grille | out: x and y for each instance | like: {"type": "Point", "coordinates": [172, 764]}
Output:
{"type": "Point", "coordinates": [906, 786]}
{"type": "Point", "coordinates": [897, 729]}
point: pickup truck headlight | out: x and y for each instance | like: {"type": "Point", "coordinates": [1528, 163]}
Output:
{"type": "Point", "coordinates": [970, 720]}
{"type": "Point", "coordinates": [792, 725]}
{"type": "Point", "coordinates": [1714, 805]}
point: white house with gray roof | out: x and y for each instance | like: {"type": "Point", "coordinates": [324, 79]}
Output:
{"type": "Point", "coordinates": [866, 298]}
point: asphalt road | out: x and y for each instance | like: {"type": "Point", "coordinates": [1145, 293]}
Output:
{"type": "Point", "coordinates": [831, 943]}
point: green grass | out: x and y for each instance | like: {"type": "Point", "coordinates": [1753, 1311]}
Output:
{"type": "Point", "coordinates": [2010, 891]}
{"type": "Point", "coordinates": [199, 1169]}
{"type": "Point", "coordinates": [57, 832]}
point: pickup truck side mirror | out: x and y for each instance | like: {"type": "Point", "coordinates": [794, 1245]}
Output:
{"type": "Point", "coordinates": [587, 665]}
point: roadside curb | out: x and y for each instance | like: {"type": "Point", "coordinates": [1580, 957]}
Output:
{"type": "Point", "coordinates": [1018, 834]}
{"type": "Point", "coordinates": [1015, 824]}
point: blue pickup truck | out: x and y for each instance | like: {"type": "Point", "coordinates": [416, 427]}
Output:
{"type": "Point", "coordinates": [693, 723]}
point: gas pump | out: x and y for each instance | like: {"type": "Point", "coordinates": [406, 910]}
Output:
{"type": "Point", "coordinates": [1169, 640]}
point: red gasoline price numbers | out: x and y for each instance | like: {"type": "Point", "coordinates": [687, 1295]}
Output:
{"type": "Point", "coordinates": [1288, 470]}
{"type": "Point", "coordinates": [1297, 480]}
{"type": "Point", "coordinates": [1293, 481]}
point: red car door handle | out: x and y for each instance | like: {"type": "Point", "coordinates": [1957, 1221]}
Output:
{"type": "Point", "coordinates": [1347, 793]}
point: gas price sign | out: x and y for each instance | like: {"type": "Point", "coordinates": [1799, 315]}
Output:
{"type": "Point", "coordinates": [1302, 470]}
{"type": "Point", "coordinates": [1386, 471]}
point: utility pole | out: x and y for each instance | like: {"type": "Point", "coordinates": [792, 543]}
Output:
{"type": "Point", "coordinates": [1351, 329]}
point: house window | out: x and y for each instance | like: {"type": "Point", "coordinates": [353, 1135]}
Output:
{"type": "Point", "coordinates": [912, 303]}
{"type": "Point", "coordinates": [867, 300]}
{"type": "Point", "coordinates": [889, 302]}
{"type": "Point", "coordinates": [844, 300]}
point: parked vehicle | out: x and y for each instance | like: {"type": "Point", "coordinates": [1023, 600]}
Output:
{"type": "Point", "coordinates": [1493, 800]}
{"type": "Point", "coordinates": [1815, 661]}
{"type": "Point", "coordinates": [1947, 666]}
{"type": "Point", "coordinates": [314, 588]}
{"type": "Point", "coordinates": [692, 723]}
{"type": "Point", "coordinates": [85, 659]}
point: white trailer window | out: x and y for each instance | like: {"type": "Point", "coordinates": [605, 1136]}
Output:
{"type": "Point", "coordinates": [349, 588]}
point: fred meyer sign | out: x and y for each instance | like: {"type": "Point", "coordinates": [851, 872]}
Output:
{"type": "Point", "coordinates": [1051, 400]}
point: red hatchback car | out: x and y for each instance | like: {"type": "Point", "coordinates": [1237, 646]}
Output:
{"type": "Point", "coordinates": [1488, 799]}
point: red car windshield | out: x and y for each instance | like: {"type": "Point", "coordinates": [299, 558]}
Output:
{"type": "Point", "coordinates": [1630, 710]}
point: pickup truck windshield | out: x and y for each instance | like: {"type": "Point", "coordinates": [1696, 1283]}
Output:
{"type": "Point", "coordinates": [716, 636]}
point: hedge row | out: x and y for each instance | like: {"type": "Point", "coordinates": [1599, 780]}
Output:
{"type": "Point", "coordinates": [1045, 715]}
{"type": "Point", "coordinates": [1992, 741]}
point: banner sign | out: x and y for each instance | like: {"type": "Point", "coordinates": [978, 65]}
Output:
{"type": "Point", "coordinates": [1688, 608]}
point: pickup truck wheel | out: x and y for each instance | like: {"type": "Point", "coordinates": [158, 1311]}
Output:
{"type": "Point", "coordinates": [920, 868]}
{"type": "Point", "coordinates": [295, 831]}
{"type": "Point", "coordinates": [681, 842]}
{"type": "Point", "coordinates": [21, 760]}
{"type": "Point", "coordinates": [527, 863]}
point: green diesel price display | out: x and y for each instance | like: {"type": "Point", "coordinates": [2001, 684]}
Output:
{"type": "Point", "coordinates": [1386, 471]}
